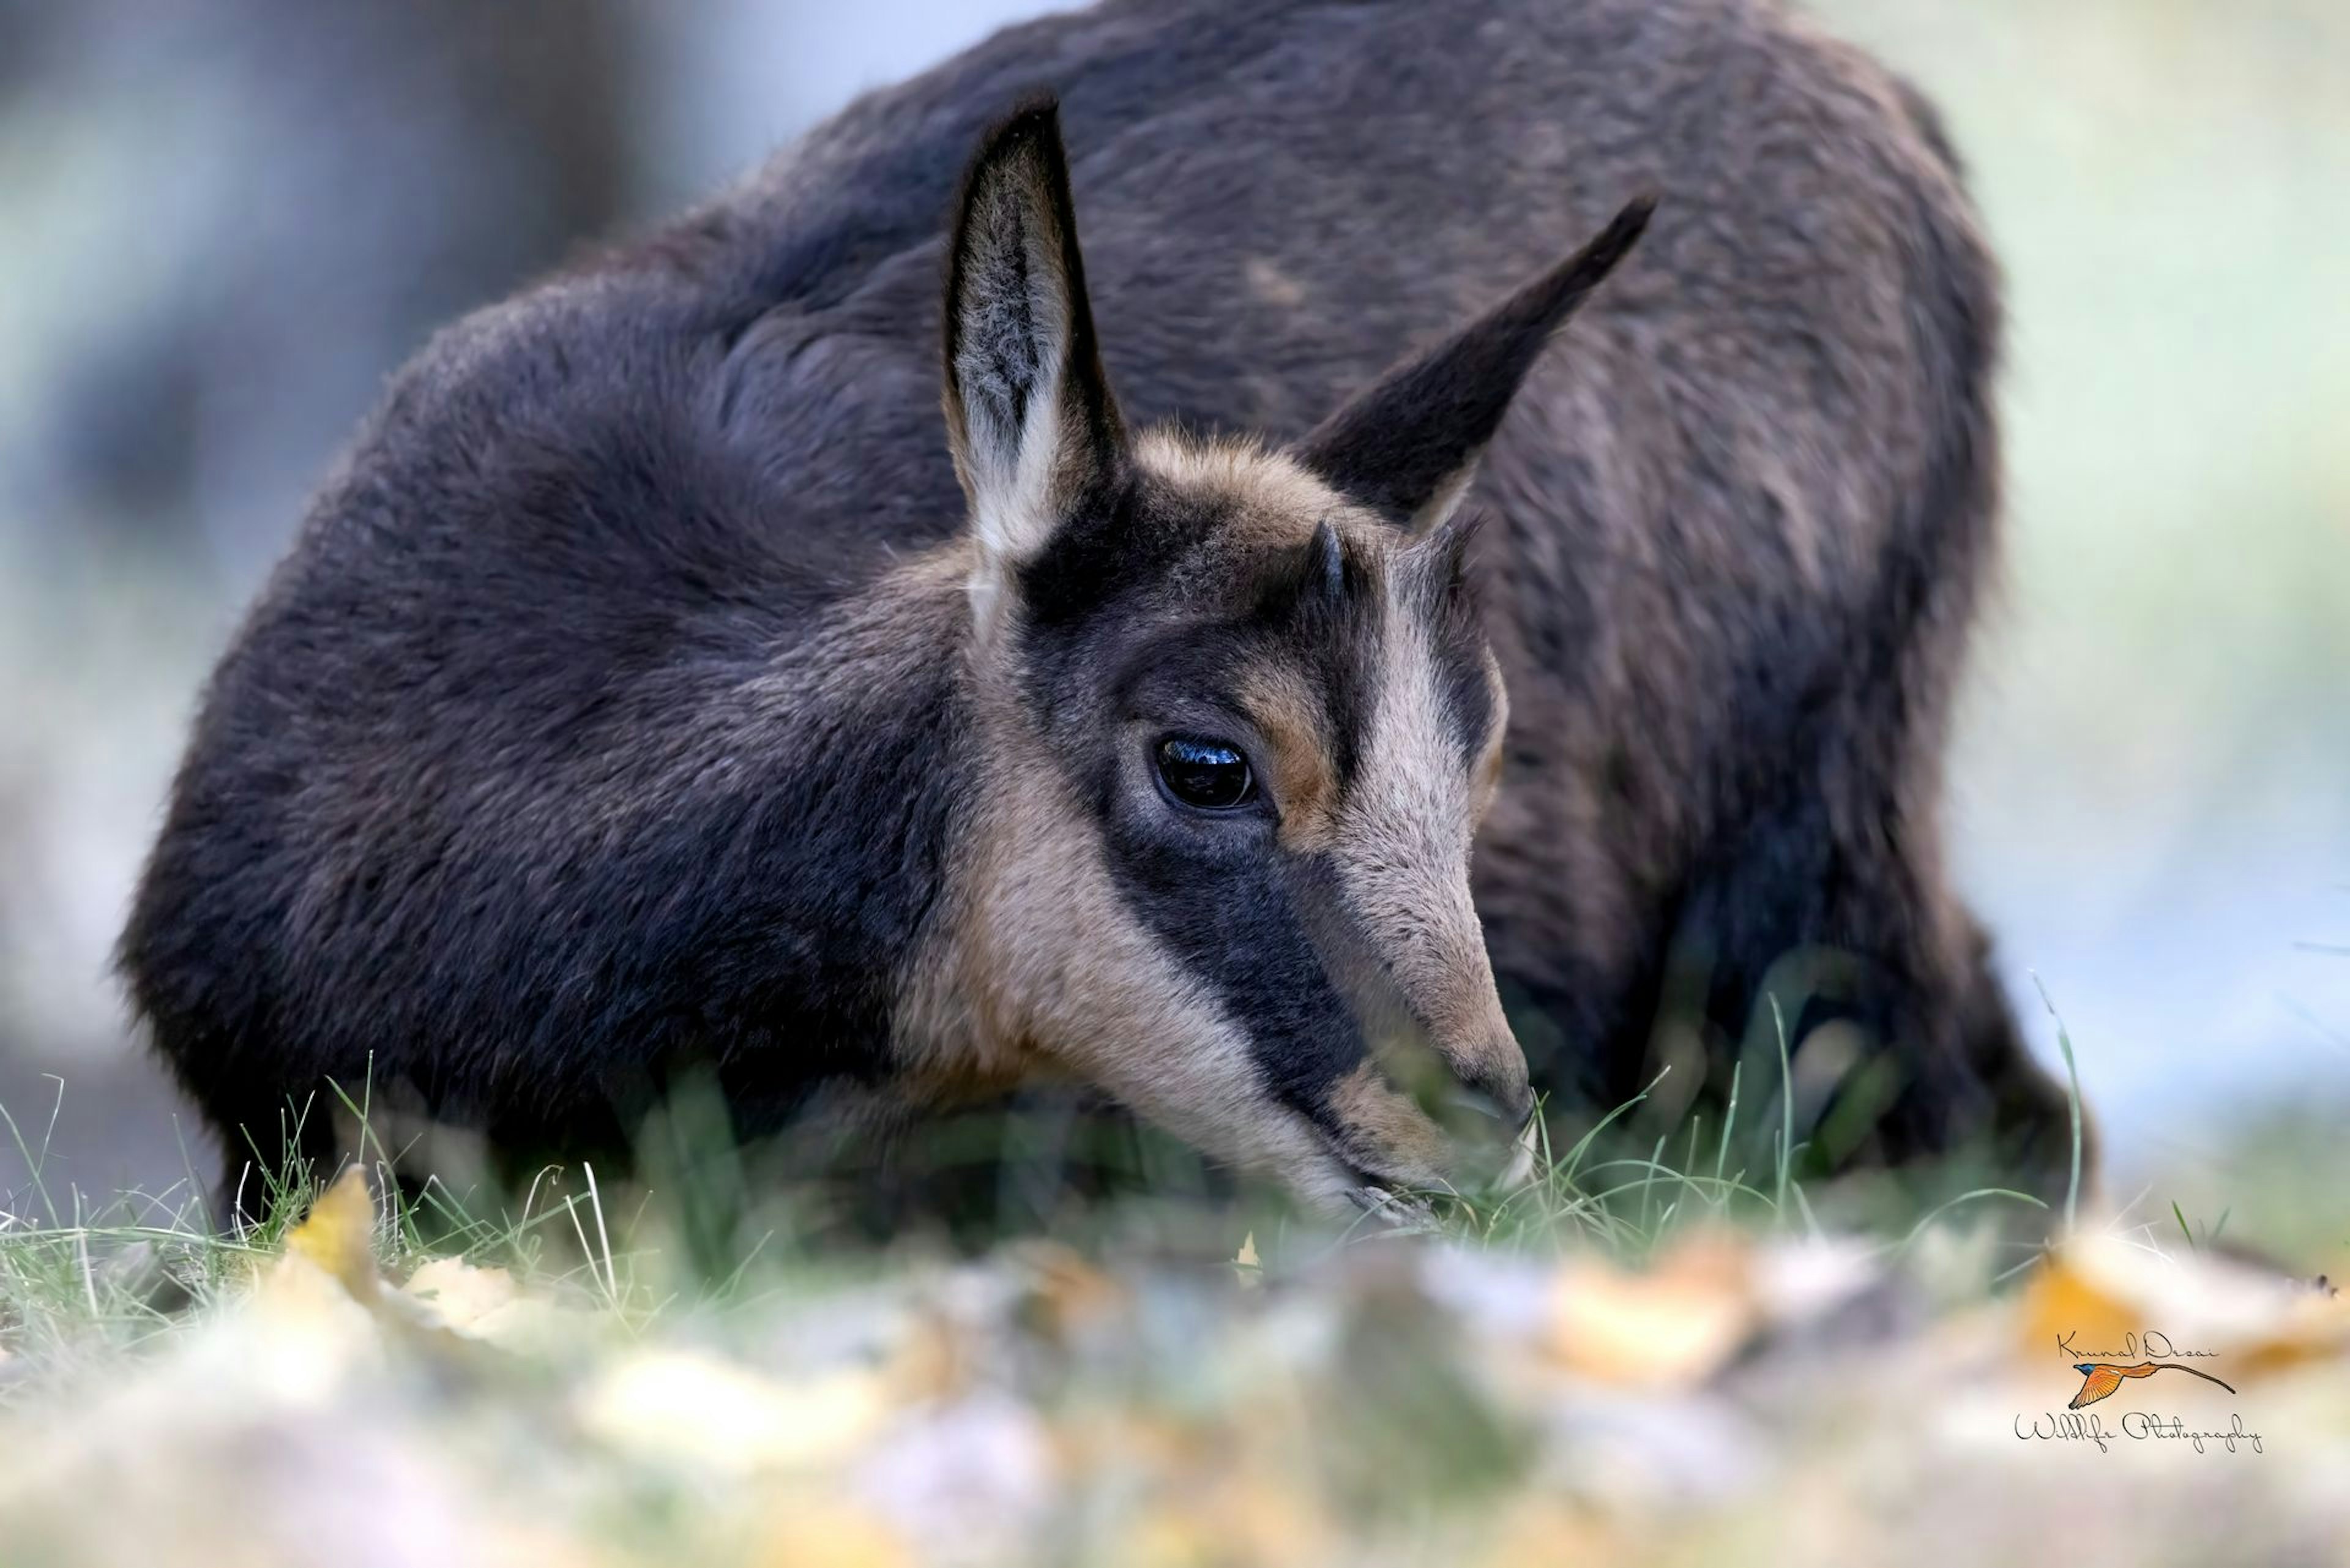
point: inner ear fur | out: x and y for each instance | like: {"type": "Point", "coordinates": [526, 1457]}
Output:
{"type": "Point", "coordinates": [1029, 413]}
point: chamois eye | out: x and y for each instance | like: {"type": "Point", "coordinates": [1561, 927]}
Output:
{"type": "Point", "coordinates": [1207, 775]}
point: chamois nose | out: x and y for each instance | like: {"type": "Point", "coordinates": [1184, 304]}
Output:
{"type": "Point", "coordinates": [1490, 1112]}
{"type": "Point", "coordinates": [1490, 1078]}
{"type": "Point", "coordinates": [1508, 1107]}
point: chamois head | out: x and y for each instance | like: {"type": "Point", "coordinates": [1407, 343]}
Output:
{"type": "Point", "coordinates": [1239, 725]}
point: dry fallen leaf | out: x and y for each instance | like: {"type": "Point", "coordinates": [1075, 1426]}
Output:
{"type": "Point", "coordinates": [455, 1294]}
{"type": "Point", "coordinates": [338, 1235]}
{"type": "Point", "coordinates": [308, 1322]}
{"type": "Point", "coordinates": [1672, 1326]}
{"type": "Point", "coordinates": [2109, 1297]}
{"type": "Point", "coordinates": [481, 1304]}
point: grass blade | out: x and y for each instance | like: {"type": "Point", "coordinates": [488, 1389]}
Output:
{"type": "Point", "coordinates": [2072, 1079]}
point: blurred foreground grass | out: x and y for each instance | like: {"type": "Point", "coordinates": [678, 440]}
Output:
{"type": "Point", "coordinates": [1646, 1360]}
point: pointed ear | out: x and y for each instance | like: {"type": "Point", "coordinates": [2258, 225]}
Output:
{"type": "Point", "coordinates": [1029, 411]}
{"type": "Point", "coordinates": [1409, 446]}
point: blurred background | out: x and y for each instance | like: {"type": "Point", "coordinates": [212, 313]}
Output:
{"type": "Point", "coordinates": [221, 226]}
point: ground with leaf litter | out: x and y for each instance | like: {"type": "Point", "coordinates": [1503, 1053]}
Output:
{"type": "Point", "coordinates": [1401, 1400]}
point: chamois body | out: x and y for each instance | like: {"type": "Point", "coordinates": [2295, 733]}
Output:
{"type": "Point", "coordinates": [616, 706]}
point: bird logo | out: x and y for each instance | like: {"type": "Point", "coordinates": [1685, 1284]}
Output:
{"type": "Point", "coordinates": [2100, 1378]}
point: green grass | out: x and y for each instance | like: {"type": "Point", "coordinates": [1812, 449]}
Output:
{"type": "Point", "coordinates": [81, 1276]}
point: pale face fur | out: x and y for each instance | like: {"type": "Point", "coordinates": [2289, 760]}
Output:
{"type": "Point", "coordinates": [1343, 991]}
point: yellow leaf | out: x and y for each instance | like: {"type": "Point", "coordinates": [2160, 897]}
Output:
{"type": "Point", "coordinates": [338, 1235]}
{"type": "Point", "coordinates": [2313, 1328]}
{"type": "Point", "coordinates": [1672, 1326]}
{"type": "Point", "coordinates": [2065, 1300]}
{"type": "Point", "coordinates": [311, 1317]}
{"type": "Point", "coordinates": [2109, 1297]}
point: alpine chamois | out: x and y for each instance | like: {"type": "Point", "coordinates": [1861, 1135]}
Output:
{"type": "Point", "coordinates": [662, 683]}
